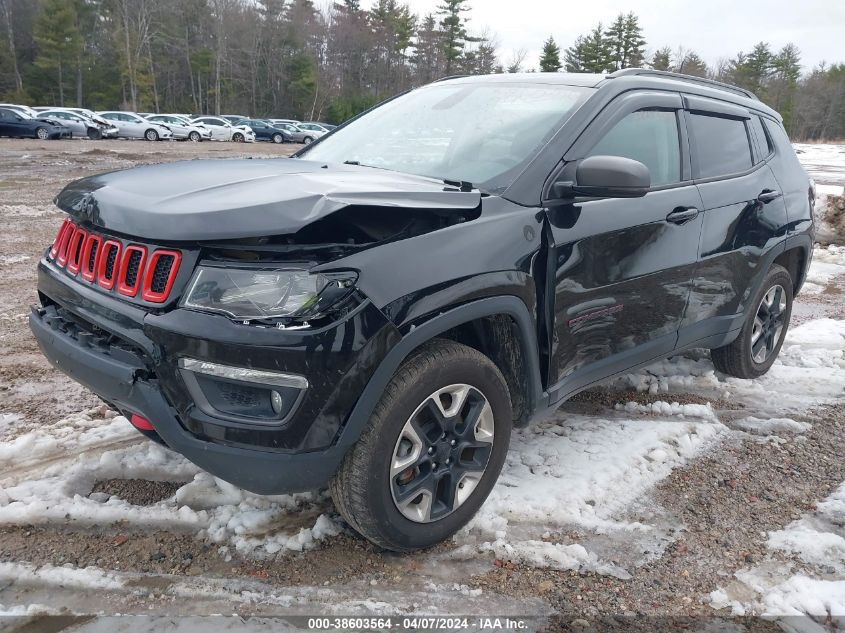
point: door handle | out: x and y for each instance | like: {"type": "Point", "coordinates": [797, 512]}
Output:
{"type": "Point", "coordinates": [680, 215]}
{"type": "Point", "coordinates": [766, 196]}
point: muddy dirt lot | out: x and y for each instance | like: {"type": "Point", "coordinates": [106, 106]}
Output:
{"type": "Point", "coordinates": [674, 491]}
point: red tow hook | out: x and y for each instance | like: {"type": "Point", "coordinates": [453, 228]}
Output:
{"type": "Point", "coordinates": [140, 423]}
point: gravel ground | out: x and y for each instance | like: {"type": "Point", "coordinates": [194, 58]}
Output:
{"type": "Point", "coordinates": [721, 504]}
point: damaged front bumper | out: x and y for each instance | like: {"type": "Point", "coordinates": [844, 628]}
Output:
{"type": "Point", "coordinates": [135, 359]}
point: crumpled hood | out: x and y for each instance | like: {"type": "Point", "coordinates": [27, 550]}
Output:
{"type": "Point", "coordinates": [226, 199]}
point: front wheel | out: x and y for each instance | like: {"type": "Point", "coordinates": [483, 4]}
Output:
{"type": "Point", "coordinates": [308, 140]}
{"type": "Point", "coordinates": [195, 137]}
{"type": "Point", "coordinates": [42, 133]}
{"type": "Point", "coordinates": [278, 138]}
{"type": "Point", "coordinates": [94, 134]}
{"type": "Point", "coordinates": [238, 138]}
{"type": "Point", "coordinates": [754, 351]}
{"type": "Point", "coordinates": [151, 135]}
{"type": "Point", "coordinates": [431, 452]}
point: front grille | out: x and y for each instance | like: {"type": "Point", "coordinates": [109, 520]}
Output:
{"type": "Point", "coordinates": [115, 265]}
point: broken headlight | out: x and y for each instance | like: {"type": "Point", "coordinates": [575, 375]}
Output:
{"type": "Point", "coordinates": [246, 294]}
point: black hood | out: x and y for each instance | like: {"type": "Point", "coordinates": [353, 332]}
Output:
{"type": "Point", "coordinates": [227, 199]}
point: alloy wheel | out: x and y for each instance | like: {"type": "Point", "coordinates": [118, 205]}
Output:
{"type": "Point", "coordinates": [768, 324]}
{"type": "Point", "coordinates": [42, 133]}
{"type": "Point", "coordinates": [441, 453]}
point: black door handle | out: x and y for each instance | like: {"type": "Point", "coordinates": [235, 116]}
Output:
{"type": "Point", "coordinates": [680, 215]}
{"type": "Point", "coordinates": [767, 195]}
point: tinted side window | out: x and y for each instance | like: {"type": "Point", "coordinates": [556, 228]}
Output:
{"type": "Point", "coordinates": [764, 143]}
{"type": "Point", "coordinates": [649, 136]}
{"type": "Point", "coordinates": [720, 145]}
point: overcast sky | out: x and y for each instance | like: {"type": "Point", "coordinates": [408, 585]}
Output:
{"type": "Point", "coordinates": [712, 28]}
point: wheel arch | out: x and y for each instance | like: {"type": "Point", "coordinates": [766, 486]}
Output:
{"type": "Point", "coordinates": [480, 324]}
{"type": "Point", "coordinates": [796, 258]}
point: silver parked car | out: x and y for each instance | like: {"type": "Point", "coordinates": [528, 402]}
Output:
{"type": "Point", "coordinates": [304, 132]}
{"type": "Point", "coordinates": [80, 126]}
{"type": "Point", "coordinates": [182, 128]}
{"type": "Point", "coordinates": [132, 125]}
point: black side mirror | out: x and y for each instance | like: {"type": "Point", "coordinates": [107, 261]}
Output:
{"type": "Point", "coordinates": [606, 177]}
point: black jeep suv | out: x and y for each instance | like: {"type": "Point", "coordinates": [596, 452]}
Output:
{"type": "Point", "coordinates": [376, 313]}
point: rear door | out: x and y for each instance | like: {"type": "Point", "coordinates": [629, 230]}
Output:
{"type": "Point", "coordinates": [621, 268]}
{"type": "Point", "coordinates": [744, 216]}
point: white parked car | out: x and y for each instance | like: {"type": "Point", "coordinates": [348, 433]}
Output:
{"type": "Point", "coordinates": [26, 110]}
{"type": "Point", "coordinates": [132, 125]}
{"type": "Point", "coordinates": [223, 130]}
{"type": "Point", "coordinates": [79, 126]}
{"type": "Point", "coordinates": [182, 128]}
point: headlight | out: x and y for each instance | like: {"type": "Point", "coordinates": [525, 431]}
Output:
{"type": "Point", "coordinates": [264, 293]}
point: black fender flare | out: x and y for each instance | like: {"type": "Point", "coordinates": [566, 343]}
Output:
{"type": "Point", "coordinates": [491, 306]}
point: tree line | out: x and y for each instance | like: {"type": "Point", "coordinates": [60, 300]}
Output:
{"type": "Point", "coordinates": [290, 58]}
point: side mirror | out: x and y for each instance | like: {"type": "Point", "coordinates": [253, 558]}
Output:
{"type": "Point", "coordinates": [606, 177]}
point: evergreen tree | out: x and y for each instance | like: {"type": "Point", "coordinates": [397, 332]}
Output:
{"type": "Point", "coordinates": [550, 60]}
{"type": "Point", "coordinates": [783, 85]}
{"type": "Point", "coordinates": [455, 37]}
{"type": "Point", "coordinates": [595, 52]}
{"type": "Point", "coordinates": [692, 64]}
{"type": "Point", "coordinates": [58, 39]}
{"type": "Point", "coordinates": [574, 58]}
{"type": "Point", "coordinates": [662, 59]}
{"type": "Point", "coordinates": [624, 42]}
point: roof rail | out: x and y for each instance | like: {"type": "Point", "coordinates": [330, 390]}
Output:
{"type": "Point", "coordinates": [447, 78]}
{"type": "Point", "coordinates": [688, 78]}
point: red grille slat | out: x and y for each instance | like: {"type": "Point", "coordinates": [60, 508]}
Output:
{"type": "Point", "coordinates": [132, 270]}
{"type": "Point", "coordinates": [106, 273]}
{"type": "Point", "coordinates": [74, 250]}
{"type": "Point", "coordinates": [67, 225]}
{"type": "Point", "coordinates": [90, 254]}
{"type": "Point", "coordinates": [155, 272]}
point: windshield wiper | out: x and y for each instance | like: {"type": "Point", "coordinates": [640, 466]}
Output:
{"type": "Point", "coordinates": [463, 185]}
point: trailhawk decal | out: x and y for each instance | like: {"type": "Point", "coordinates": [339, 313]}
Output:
{"type": "Point", "coordinates": [573, 323]}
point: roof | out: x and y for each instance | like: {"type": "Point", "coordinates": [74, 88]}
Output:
{"type": "Point", "coordinates": [632, 78]}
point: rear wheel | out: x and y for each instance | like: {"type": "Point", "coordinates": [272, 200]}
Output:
{"type": "Point", "coordinates": [754, 351]}
{"type": "Point", "coordinates": [42, 133]}
{"type": "Point", "coordinates": [151, 135]}
{"type": "Point", "coordinates": [431, 452]}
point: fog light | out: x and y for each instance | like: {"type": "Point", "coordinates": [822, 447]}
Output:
{"type": "Point", "coordinates": [276, 402]}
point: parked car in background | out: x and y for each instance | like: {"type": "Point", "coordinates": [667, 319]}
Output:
{"type": "Point", "coordinates": [287, 121]}
{"type": "Point", "coordinates": [30, 112]}
{"type": "Point", "coordinates": [111, 129]}
{"type": "Point", "coordinates": [232, 118]}
{"type": "Point", "coordinates": [182, 129]}
{"type": "Point", "coordinates": [298, 134]}
{"type": "Point", "coordinates": [326, 126]}
{"type": "Point", "coordinates": [79, 126]}
{"type": "Point", "coordinates": [312, 131]}
{"type": "Point", "coordinates": [265, 131]}
{"type": "Point", "coordinates": [222, 129]}
{"type": "Point", "coordinates": [16, 124]}
{"type": "Point", "coordinates": [133, 125]}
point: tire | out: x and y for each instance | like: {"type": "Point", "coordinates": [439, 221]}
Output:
{"type": "Point", "coordinates": [237, 137]}
{"type": "Point", "coordinates": [754, 351]}
{"type": "Point", "coordinates": [278, 139]}
{"type": "Point", "coordinates": [307, 140]}
{"type": "Point", "coordinates": [151, 135]}
{"type": "Point", "coordinates": [195, 137]}
{"type": "Point", "coordinates": [94, 134]}
{"type": "Point", "coordinates": [376, 492]}
{"type": "Point", "coordinates": [42, 133]}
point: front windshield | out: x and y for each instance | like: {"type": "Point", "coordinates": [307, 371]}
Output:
{"type": "Point", "coordinates": [483, 133]}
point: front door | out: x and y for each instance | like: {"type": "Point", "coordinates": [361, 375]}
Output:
{"type": "Point", "coordinates": [622, 268]}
